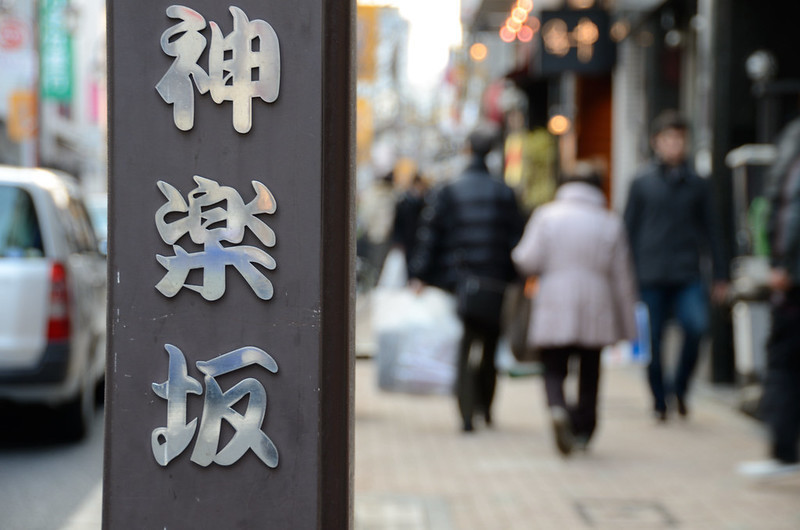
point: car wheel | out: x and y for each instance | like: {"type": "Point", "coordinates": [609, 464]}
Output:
{"type": "Point", "coordinates": [79, 413]}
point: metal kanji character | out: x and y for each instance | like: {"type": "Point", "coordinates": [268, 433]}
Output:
{"type": "Point", "coordinates": [209, 224]}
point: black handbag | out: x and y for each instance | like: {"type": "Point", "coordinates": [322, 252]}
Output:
{"type": "Point", "coordinates": [480, 300]}
{"type": "Point", "coordinates": [518, 313]}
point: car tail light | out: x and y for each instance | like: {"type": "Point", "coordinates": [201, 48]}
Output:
{"type": "Point", "coordinates": [58, 318]}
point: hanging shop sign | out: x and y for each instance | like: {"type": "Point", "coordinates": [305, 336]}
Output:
{"type": "Point", "coordinates": [575, 41]}
{"type": "Point", "coordinates": [55, 51]}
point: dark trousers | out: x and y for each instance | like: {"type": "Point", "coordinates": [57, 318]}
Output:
{"type": "Point", "coordinates": [477, 375]}
{"type": "Point", "coordinates": [780, 404]}
{"type": "Point", "coordinates": [583, 414]}
{"type": "Point", "coordinates": [689, 305]}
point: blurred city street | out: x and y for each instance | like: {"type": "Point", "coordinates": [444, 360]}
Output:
{"type": "Point", "coordinates": [359, 119]}
{"type": "Point", "coordinates": [46, 481]}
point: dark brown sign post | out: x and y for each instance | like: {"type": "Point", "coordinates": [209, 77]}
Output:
{"type": "Point", "coordinates": [229, 381]}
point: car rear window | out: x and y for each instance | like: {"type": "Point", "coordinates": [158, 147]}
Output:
{"type": "Point", "coordinates": [19, 227]}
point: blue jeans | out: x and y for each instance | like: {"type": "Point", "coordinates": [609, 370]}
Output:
{"type": "Point", "coordinates": [688, 304]}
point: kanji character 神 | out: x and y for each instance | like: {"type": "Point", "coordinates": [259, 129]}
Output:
{"type": "Point", "coordinates": [243, 65]}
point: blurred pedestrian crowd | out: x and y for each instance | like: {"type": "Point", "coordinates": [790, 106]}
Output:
{"type": "Point", "coordinates": [561, 278]}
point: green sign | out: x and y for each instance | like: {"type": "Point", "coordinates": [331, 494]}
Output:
{"type": "Point", "coordinates": [56, 51]}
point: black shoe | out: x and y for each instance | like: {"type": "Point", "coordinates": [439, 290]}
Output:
{"type": "Point", "coordinates": [468, 427]}
{"type": "Point", "coordinates": [682, 410]}
{"type": "Point", "coordinates": [562, 429]}
{"type": "Point", "coordinates": [487, 417]}
{"type": "Point", "coordinates": [660, 416]}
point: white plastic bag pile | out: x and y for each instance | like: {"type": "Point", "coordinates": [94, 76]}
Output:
{"type": "Point", "coordinates": [417, 339]}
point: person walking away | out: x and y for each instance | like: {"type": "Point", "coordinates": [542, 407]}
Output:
{"type": "Point", "coordinates": [406, 216]}
{"type": "Point", "coordinates": [376, 214]}
{"type": "Point", "coordinates": [465, 237]}
{"type": "Point", "coordinates": [672, 225]}
{"type": "Point", "coordinates": [780, 403]}
{"type": "Point", "coordinates": [586, 297]}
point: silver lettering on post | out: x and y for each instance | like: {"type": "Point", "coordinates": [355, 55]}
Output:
{"type": "Point", "coordinates": [243, 65]}
{"type": "Point", "coordinates": [170, 441]}
{"type": "Point", "coordinates": [215, 214]}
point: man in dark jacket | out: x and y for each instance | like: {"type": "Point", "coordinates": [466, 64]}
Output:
{"type": "Point", "coordinates": [671, 225]}
{"type": "Point", "coordinates": [468, 231]}
{"type": "Point", "coordinates": [407, 212]}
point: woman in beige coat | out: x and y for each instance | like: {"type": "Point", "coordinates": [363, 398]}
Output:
{"type": "Point", "coordinates": [587, 291]}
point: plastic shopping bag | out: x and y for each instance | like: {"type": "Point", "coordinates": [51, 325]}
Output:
{"type": "Point", "coordinates": [636, 351]}
{"type": "Point", "coordinates": [417, 338]}
{"type": "Point", "coordinates": [393, 273]}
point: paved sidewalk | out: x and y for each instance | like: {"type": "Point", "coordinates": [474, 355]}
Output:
{"type": "Point", "coordinates": [415, 470]}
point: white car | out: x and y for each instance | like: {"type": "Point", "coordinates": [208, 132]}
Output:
{"type": "Point", "coordinates": [97, 208]}
{"type": "Point", "coordinates": [52, 296]}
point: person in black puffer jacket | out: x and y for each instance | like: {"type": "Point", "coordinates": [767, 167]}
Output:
{"type": "Point", "coordinates": [467, 230]}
